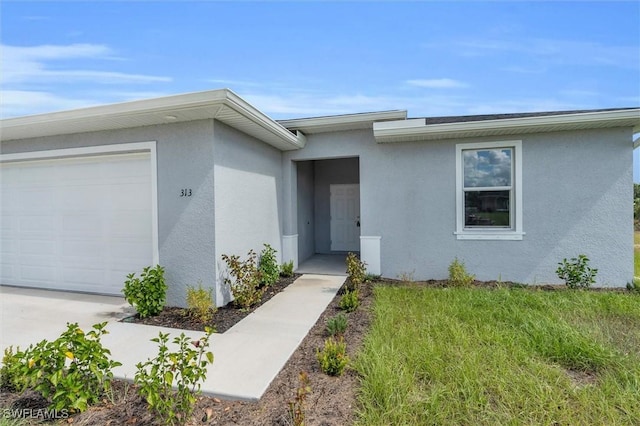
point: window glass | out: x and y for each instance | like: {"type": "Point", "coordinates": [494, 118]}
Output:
{"type": "Point", "coordinates": [487, 187]}
{"type": "Point", "coordinates": [487, 168]}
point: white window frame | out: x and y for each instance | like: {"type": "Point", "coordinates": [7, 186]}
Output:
{"type": "Point", "coordinates": [515, 232]}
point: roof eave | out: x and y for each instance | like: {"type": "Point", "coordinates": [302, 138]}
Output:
{"type": "Point", "coordinates": [414, 130]}
{"type": "Point", "coordinates": [343, 122]}
{"type": "Point", "coordinates": [171, 109]}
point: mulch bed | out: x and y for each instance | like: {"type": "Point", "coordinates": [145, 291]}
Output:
{"type": "Point", "coordinates": [223, 319]}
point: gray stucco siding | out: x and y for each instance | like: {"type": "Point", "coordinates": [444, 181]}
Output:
{"type": "Point", "coordinates": [185, 224]}
{"type": "Point", "coordinates": [248, 198]}
{"type": "Point", "coordinates": [576, 186]}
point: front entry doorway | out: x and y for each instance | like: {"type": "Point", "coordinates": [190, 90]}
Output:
{"type": "Point", "coordinates": [345, 217]}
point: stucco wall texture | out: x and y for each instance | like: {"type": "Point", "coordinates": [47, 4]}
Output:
{"type": "Point", "coordinates": [577, 191]}
{"type": "Point", "coordinates": [577, 188]}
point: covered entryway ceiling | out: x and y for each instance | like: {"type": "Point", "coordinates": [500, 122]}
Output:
{"type": "Point", "coordinates": [78, 223]}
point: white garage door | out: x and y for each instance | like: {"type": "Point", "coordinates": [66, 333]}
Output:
{"type": "Point", "coordinates": [77, 223]}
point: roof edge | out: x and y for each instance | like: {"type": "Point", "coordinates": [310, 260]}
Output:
{"type": "Point", "coordinates": [406, 130]}
{"type": "Point", "coordinates": [342, 122]}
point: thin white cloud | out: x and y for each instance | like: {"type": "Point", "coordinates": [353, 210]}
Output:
{"type": "Point", "coordinates": [27, 102]}
{"type": "Point", "coordinates": [437, 83]}
{"type": "Point", "coordinates": [551, 51]}
{"type": "Point", "coordinates": [31, 64]}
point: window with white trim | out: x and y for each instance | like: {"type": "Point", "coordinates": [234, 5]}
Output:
{"type": "Point", "coordinates": [489, 190]}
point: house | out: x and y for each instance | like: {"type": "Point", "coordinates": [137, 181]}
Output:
{"type": "Point", "coordinates": [93, 194]}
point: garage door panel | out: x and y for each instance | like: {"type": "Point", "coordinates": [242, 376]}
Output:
{"type": "Point", "coordinates": [84, 225]}
{"type": "Point", "coordinates": [38, 273]}
{"type": "Point", "coordinates": [76, 223]}
{"type": "Point", "coordinates": [38, 248]}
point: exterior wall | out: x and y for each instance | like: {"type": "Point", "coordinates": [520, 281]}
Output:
{"type": "Point", "coordinates": [577, 188]}
{"type": "Point", "coordinates": [306, 218]}
{"type": "Point", "coordinates": [185, 224]}
{"type": "Point", "coordinates": [326, 173]}
{"type": "Point", "coordinates": [248, 198]}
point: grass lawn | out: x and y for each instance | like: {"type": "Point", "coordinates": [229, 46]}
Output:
{"type": "Point", "coordinates": [495, 357]}
{"type": "Point", "coordinates": [636, 255]}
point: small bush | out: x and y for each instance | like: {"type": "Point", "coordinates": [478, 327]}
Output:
{"type": "Point", "coordinates": [371, 278]}
{"type": "Point", "coordinates": [576, 273]}
{"type": "Point", "coordinates": [246, 279]}
{"type": "Point", "coordinates": [200, 303]}
{"type": "Point", "coordinates": [350, 300]}
{"type": "Point", "coordinates": [73, 371]}
{"type": "Point", "coordinates": [333, 357]}
{"type": "Point", "coordinates": [268, 266]}
{"type": "Point", "coordinates": [356, 270]}
{"type": "Point", "coordinates": [337, 325]}
{"type": "Point", "coordinates": [148, 293]}
{"type": "Point", "coordinates": [458, 275]}
{"type": "Point", "coordinates": [9, 377]}
{"type": "Point", "coordinates": [634, 285]}
{"type": "Point", "coordinates": [297, 406]}
{"type": "Point", "coordinates": [286, 270]}
{"type": "Point", "coordinates": [184, 370]}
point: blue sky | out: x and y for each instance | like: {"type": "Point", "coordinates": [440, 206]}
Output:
{"type": "Point", "coordinates": [293, 59]}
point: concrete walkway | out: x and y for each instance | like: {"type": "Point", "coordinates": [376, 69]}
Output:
{"type": "Point", "coordinates": [247, 357]}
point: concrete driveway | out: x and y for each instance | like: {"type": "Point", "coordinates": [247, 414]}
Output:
{"type": "Point", "coordinates": [29, 315]}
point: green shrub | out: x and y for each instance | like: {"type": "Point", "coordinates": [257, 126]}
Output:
{"type": "Point", "coordinates": [337, 325]}
{"type": "Point", "coordinates": [634, 285]}
{"type": "Point", "coordinates": [246, 279]}
{"type": "Point", "coordinates": [297, 406]}
{"type": "Point", "coordinates": [9, 377]}
{"type": "Point", "coordinates": [200, 303]}
{"type": "Point", "coordinates": [458, 275]}
{"type": "Point", "coordinates": [73, 371]}
{"type": "Point", "coordinates": [333, 357]}
{"type": "Point", "coordinates": [576, 273]}
{"type": "Point", "coordinates": [356, 270]}
{"type": "Point", "coordinates": [286, 270]}
{"type": "Point", "coordinates": [350, 300]}
{"type": "Point", "coordinates": [148, 293]}
{"type": "Point", "coordinates": [268, 266]}
{"type": "Point", "coordinates": [184, 370]}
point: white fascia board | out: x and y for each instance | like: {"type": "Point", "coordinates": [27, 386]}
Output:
{"type": "Point", "coordinates": [342, 122]}
{"type": "Point", "coordinates": [209, 102]}
{"type": "Point", "coordinates": [296, 141]}
{"type": "Point", "coordinates": [395, 133]}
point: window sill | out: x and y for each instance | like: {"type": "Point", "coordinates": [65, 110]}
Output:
{"type": "Point", "coordinates": [508, 235]}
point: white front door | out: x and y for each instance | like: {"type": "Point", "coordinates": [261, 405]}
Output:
{"type": "Point", "coordinates": [345, 217]}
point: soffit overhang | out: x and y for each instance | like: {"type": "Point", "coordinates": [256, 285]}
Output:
{"type": "Point", "coordinates": [418, 130]}
{"type": "Point", "coordinates": [222, 105]}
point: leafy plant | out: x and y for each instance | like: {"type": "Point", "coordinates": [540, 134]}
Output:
{"type": "Point", "coordinates": [268, 266]}
{"type": "Point", "coordinates": [286, 270]}
{"type": "Point", "coordinates": [333, 357]}
{"type": "Point", "coordinates": [577, 273]}
{"type": "Point", "coordinates": [184, 370]}
{"type": "Point", "coordinates": [9, 378]}
{"type": "Point", "coordinates": [634, 285]}
{"type": "Point", "coordinates": [148, 293]}
{"type": "Point", "coordinates": [356, 269]}
{"type": "Point", "coordinates": [458, 275]}
{"type": "Point", "coordinates": [297, 406]}
{"type": "Point", "coordinates": [337, 325]}
{"type": "Point", "coordinates": [246, 279]}
{"type": "Point", "coordinates": [371, 277]}
{"type": "Point", "coordinates": [350, 300]}
{"type": "Point", "coordinates": [200, 303]}
{"type": "Point", "coordinates": [73, 371]}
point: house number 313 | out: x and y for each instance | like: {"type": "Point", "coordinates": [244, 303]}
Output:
{"type": "Point", "coordinates": [186, 192]}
